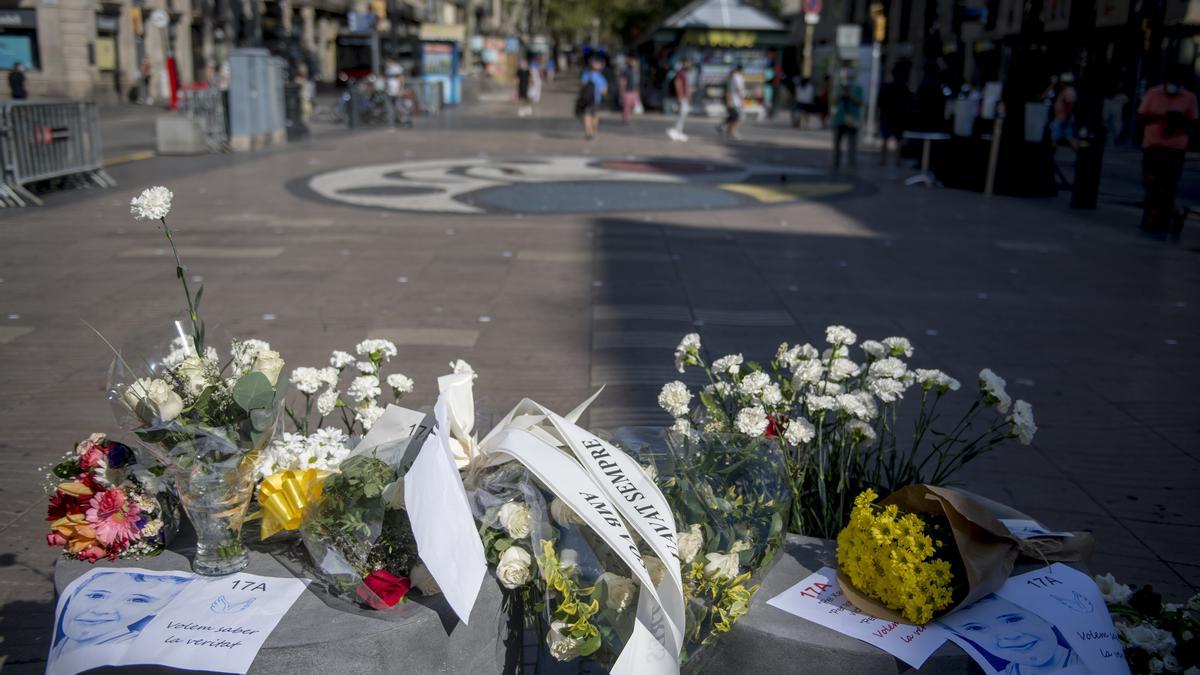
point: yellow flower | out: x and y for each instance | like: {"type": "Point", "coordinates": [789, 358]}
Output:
{"type": "Point", "coordinates": [890, 557]}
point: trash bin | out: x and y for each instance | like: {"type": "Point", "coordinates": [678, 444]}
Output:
{"type": "Point", "coordinates": [1088, 158]}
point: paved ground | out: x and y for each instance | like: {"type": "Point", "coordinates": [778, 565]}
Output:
{"type": "Point", "coordinates": [1092, 323]}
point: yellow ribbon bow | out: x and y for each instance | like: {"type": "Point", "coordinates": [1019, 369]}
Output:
{"type": "Point", "coordinates": [286, 495]}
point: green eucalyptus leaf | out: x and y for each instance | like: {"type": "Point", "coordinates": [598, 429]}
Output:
{"type": "Point", "coordinates": [253, 391]}
{"type": "Point", "coordinates": [262, 419]}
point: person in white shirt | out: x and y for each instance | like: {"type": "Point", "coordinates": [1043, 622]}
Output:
{"type": "Point", "coordinates": [735, 97]}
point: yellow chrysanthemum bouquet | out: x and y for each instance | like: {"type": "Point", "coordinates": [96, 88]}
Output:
{"type": "Point", "coordinates": [925, 550]}
{"type": "Point", "coordinates": [899, 559]}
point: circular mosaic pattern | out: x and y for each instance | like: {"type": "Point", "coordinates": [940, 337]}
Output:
{"type": "Point", "coordinates": [573, 185]}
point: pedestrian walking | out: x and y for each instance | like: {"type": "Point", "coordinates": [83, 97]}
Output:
{"type": "Point", "coordinates": [631, 97]}
{"type": "Point", "coordinates": [523, 107]}
{"type": "Point", "coordinates": [823, 97]}
{"type": "Point", "coordinates": [847, 117]}
{"type": "Point", "coordinates": [535, 87]}
{"type": "Point", "coordinates": [1166, 113]}
{"type": "Point", "coordinates": [394, 89]}
{"type": "Point", "coordinates": [894, 102]}
{"type": "Point", "coordinates": [1062, 126]}
{"type": "Point", "coordinates": [682, 87]}
{"type": "Point", "coordinates": [804, 102]}
{"type": "Point", "coordinates": [735, 98]}
{"type": "Point", "coordinates": [16, 82]}
{"type": "Point", "coordinates": [592, 88]}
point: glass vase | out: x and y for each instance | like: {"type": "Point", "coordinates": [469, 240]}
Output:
{"type": "Point", "coordinates": [215, 499]}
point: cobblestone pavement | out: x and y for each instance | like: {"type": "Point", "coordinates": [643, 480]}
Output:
{"type": "Point", "coordinates": [1092, 323]}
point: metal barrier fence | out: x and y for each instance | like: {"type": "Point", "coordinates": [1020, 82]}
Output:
{"type": "Point", "coordinates": [48, 139]}
{"type": "Point", "coordinates": [207, 107]}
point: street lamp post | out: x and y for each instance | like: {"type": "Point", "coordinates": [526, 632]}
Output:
{"type": "Point", "coordinates": [880, 33]}
{"type": "Point", "coordinates": [812, 16]}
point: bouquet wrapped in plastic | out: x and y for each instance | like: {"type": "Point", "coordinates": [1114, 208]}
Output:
{"type": "Point", "coordinates": [103, 504]}
{"type": "Point", "coordinates": [730, 497]}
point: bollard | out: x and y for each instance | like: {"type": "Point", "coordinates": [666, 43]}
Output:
{"type": "Point", "coordinates": [355, 102]}
{"type": "Point", "coordinates": [1088, 163]}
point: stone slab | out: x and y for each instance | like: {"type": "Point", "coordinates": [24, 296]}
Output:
{"type": "Point", "coordinates": [325, 634]}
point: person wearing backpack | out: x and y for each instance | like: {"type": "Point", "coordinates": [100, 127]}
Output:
{"type": "Point", "coordinates": [592, 89]}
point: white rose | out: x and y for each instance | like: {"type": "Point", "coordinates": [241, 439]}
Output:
{"type": "Point", "coordinates": [655, 568]}
{"type": "Point", "coordinates": [619, 591]}
{"type": "Point", "coordinates": [722, 565]}
{"type": "Point", "coordinates": [515, 518]}
{"type": "Point", "coordinates": [152, 399]}
{"type": "Point", "coordinates": [1112, 591]}
{"type": "Point", "coordinates": [192, 371]}
{"type": "Point", "coordinates": [562, 514]}
{"type": "Point", "coordinates": [689, 543]}
{"type": "Point", "coordinates": [513, 569]}
{"type": "Point", "coordinates": [1154, 641]}
{"type": "Point", "coordinates": [562, 646]}
{"type": "Point", "coordinates": [269, 363]}
{"type": "Point", "coordinates": [568, 560]}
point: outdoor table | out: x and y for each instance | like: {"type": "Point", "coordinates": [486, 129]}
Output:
{"type": "Point", "coordinates": [927, 138]}
{"type": "Point", "coordinates": [324, 634]}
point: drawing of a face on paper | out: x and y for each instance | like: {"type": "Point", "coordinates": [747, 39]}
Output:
{"type": "Point", "coordinates": [112, 607]}
{"type": "Point", "coordinates": [1007, 638]}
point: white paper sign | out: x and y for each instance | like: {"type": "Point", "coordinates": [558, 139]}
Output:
{"type": "Point", "coordinates": [1029, 529]}
{"type": "Point", "coordinates": [820, 599]}
{"type": "Point", "coordinates": [127, 616]}
{"type": "Point", "coordinates": [392, 433]}
{"type": "Point", "coordinates": [442, 524]}
{"type": "Point", "coordinates": [1071, 601]}
{"type": "Point", "coordinates": [1049, 620]}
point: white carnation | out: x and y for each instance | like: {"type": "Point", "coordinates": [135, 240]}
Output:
{"type": "Point", "coordinates": [327, 402]}
{"type": "Point", "coordinates": [730, 364]}
{"type": "Point", "coordinates": [888, 367]}
{"type": "Point", "coordinates": [153, 204]}
{"type": "Point", "coordinates": [366, 368]}
{"type": "Point", "coordinates": [682, 426]}
{"type": "Point", "coordinates": [808, 372]}
{"type": "Point", "coordinates": [754, 382]}
{"type": "Point", "coordinates": [752, 421]}
{"type": "Point", "coordinates": [329, 375]}
{"type": "Point", "coordinates": [799, 431]}
{"type": "Point", "coordinates": [368, 415]}
{"type": "Point", "coordinates": [992, 386]}
{"type": "Point", "coordinates": [843, 369]}
{"type": "Point", "coordinates": [1022, 420]}
{"type": "Point", "coordinates": [307, 380]}
{"type": "Point", "coordinates": [931, 378]}
{"type": "Point", "coordinates": [400, 384]}
{"type": "Point", "coordinates": [860, 430]}
{"type": "Point", "coordinates": [874, 349]}
{"type": "Point", "coordinates": [375, 349]}
{"type": "Point", "coordinates": [887, 389]}
{"type": "Point", "coordinates": [364, 388]}
{"type": "Point", "coordinates": [341, 359]}
{"type": "Point", "coordinates": [840, 336]}
{"type": "Point", "coordinates": [898, 346]}
{"type": "Point", "coordinates": [771, 395]}
{"type": "Point", "coordinates": [688, 351]}
{"type": "Point", "coordinates": [675, 398]}
{"type": "Point", "coordinates": [821, 402]}
{"type": "Point", "coordinates": [787, 357]}
{"type": "Point", "coordinates": [1113, 591]}
{"type": "Point", "coordinates": [853, 406]}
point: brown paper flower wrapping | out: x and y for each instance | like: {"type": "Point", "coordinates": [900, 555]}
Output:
{"type": "Point", "coordinates": [987, 549]}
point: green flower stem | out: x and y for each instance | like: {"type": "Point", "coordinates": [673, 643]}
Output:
{"type": "Point", "coordinates": [197, 326]}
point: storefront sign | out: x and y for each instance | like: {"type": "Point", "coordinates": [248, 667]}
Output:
{"type": "Point", "coordinates": [18, 18]}
{"type": "Point", "coordinates": [740, 39]}
{"type": "Point", "coordinates": [443, 32]}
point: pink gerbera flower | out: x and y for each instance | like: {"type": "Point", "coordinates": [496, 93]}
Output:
{"type": "Point", "coordinates": [114, 517]}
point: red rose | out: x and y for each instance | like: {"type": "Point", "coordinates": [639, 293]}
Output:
{"type": "Point", "coordinates": [91, 554]}
{"type": "Point", "coordinates": [388, 589]}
